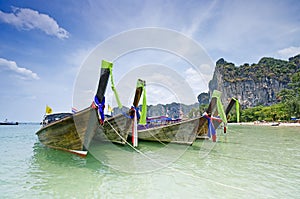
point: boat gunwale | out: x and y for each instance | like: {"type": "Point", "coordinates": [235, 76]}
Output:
{"type": "Point", "coordinates": [61, 120]}
{"type": "Point", "coordinates": [114, 117]}
{"type": "Point", "coordinates": [170, 125]}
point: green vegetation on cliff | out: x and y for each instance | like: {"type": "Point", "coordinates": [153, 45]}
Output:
{"type": "Point", "coordinates": [268, 90]}
{"type": "Point", "coordinates": [289, 105]}
{"type": "Point", "coordinates": [267, 113]}
{"type": "Point", "coordinates": [277, 69]}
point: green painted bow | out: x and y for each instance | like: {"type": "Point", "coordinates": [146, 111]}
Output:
{"type": "Point", "coordinates": [109, 65]}
{"type": "Point", "coordinates": [237, 109]}
{"type": "Point", "coordinates": [217, 95]}
{"type": "Point", "coordinates": [144, 105]}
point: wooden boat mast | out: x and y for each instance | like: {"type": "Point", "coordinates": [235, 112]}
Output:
{"type": "Point", "coordinates": [229, 107]}
{"type": "Point", "coordinates": [212, 106]}
{"type": "Point", "coordinates": [137, 96]}
{"type": "Point", "coordinates": [138, 92]}
{"type": "Point", "coordinates": [103, 80]}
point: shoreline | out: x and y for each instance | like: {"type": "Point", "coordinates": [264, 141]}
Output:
{"type": "Point", "coordinates": [285, 124]}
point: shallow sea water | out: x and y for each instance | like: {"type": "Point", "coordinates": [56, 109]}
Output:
{"type": "Point", "coordinates": [249, 162]}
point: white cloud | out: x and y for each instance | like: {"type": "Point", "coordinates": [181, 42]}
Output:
{"type": "Point", "coordinates": [288, 52]}
{"type": "Point", "coordinates": [245, 31]}
{"type": "Point", "coordinates": [11, 65]}
{"type": "Point", "coordinates": [77, 56]}
{"type": "Point", "coordinates": [198, 82]}
{"type": "Point", "coordinates": [200, 18]}
{"type": "Point", "coordinates": [27, 19]}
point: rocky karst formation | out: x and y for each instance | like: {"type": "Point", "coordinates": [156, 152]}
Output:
{"type": "Point", "coordinates": [256, 84]}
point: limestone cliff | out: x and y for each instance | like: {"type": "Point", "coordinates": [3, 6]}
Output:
{"type": "Point", "coordinates": [256, 84]}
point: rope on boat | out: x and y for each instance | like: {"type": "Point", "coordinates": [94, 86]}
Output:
{"type": "Point", "coordinates": [116, 131]}
{"type": "Point", "coordinates": [157, 139]}
{"type": "Point", "coordinates": [126, 142]}
{"type": "Point", "coordinates": [125, 115]}
{"type": "Point", "coordinates": [176, 170]}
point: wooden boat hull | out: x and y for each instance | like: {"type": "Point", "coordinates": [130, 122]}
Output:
{"type": "Point", "coordinates": [115, 129]}
{"type": "Point", "coordinates": [184, 132]}
{"type": "Point", "coordinates": [73, 133]}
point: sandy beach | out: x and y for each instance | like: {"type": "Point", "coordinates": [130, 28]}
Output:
{"type": "Point", "coordinates": [267, 124]}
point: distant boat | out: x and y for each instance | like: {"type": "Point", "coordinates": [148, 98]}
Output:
{"type": "Point", "coordinates": [275, 124]}
{"type": "Point", "coordinates": [6, 122]}
{"type": "Point", "coordinates": [74, 132]}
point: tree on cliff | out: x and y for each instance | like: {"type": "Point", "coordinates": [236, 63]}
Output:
{"type": "Point", "coordinates": [255, 84]}
{"type": "Point", "coordinates": [267, 90]}
{"type": "Point", "coordinates": [203, 98]}
{"type": "Point", "coordinates": [290, 96]}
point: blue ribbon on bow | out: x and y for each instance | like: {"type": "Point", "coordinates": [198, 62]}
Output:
{"type": "Point", "coordinates": [211, 128]}
{"type": "Point", "coordinates": [100, 106]}
{"type": "Point", "coordinates": [136, 111]}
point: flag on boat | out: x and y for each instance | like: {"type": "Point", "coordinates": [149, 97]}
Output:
{"type": "Point", "coordinates": [48, 110]}
{"type": "Point", "coordinates": [110, 109]}
{"type": "Point", "coordinates": [74, 110]}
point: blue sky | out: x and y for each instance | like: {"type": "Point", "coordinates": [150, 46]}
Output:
{"type": "Point", "coordinates": [43, 44]}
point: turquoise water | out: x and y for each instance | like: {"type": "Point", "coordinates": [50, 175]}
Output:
{"type": "Point", "coordinates": [250, 162]}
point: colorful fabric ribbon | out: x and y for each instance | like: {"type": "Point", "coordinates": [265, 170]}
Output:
{"type": "Point", "coordinates": [211, 129]}
{"type": "Point", "coordinates": [109, 66]}
{"type": "Point", "coordinates": [100, 107]}
{"type": "Point", "coordinates": [134, 131]}
{"type": "Point", "coordinates": [143, 119]}
{"type": "Point", "coordinates": [217, 95]}
{"type": "Point", "coordinates": [237, 109]}
{"type": "Point", "coordinates": [136, 109]}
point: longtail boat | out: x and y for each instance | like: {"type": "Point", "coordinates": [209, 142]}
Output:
{"type": "Point", "coordinates": [117, 128]}
{"type": "Point", "coordinates": [74, 132]}
{"type": "Point", "coordinates": [210, 120]}
{"type": "Point", "coordinates": [182, 131]}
